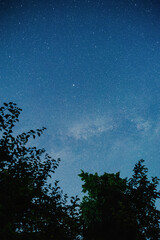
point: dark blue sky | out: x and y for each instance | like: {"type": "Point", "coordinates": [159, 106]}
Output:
{"type": "Point", "coordinates": [89, 71]}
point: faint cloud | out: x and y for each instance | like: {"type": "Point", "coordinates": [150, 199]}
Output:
{"type": "Point", "coordinates": [91, 127]}
{"type": "Point", "coordinates": [157, 128]}
{"type": "Point", "coordinates": [65, 153]}
{"type": "Point", "coordinates": [142, 124]}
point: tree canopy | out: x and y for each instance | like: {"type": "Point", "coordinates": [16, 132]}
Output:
{"type": "Point", "coordinates": [116, 208]}
{"type": "Point", "coordinates": [30, 207]}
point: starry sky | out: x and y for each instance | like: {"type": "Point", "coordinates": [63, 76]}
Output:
{"type": "Point", "coordinates": [89, 71]}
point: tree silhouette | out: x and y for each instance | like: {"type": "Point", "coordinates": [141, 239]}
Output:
{"type": "Point", "coordinates": [143, 194]}
{"type": "Point", "coordinates": [30, 207]}
{"type": "Point", "coordinates": [116, 208]}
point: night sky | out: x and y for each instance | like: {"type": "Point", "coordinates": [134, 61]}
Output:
{"type": "Point", "coordinates": [89, 71]}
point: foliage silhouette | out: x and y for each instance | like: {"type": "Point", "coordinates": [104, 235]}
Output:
{"type": "Point", "coordinates": [143, 194]}
{"type": "Point", "coordinates": [30, 207]}
{"type": "Point", "coordinates": [117, 208]}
